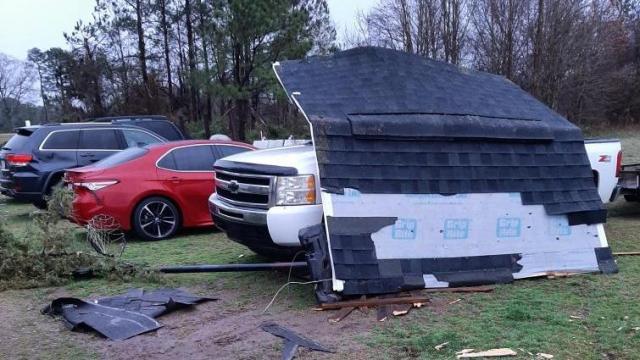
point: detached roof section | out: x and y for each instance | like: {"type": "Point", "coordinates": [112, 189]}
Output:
{"type": "Point", "coordinates": [397, 135]}
{"type": "Point", "coordinates": [447, 129]}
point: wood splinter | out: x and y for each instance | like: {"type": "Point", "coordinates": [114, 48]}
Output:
{"type": "Point", "coordinates": [374, 302]}
{"type": "Point", "coordinates": [626, 253]}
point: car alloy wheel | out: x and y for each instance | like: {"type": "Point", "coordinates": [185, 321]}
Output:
{"type": "Point", "coordinates": [156, 219]}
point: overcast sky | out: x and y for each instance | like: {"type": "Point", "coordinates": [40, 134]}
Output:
{"type": "Point", "coordinates": [25, 24]}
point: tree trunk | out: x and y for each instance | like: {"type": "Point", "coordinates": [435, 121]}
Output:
{"type": "Point", "coordinates": [45, 102]}
{"type": "Point", "coordinates": [238, 126]}
{"type": "Point", "coordinates": [192, 60]}
{"type": "Point", "coordinates": [167, 59]}
{"type": "Point", "coordinates": [537, 51]}
{"type": "Point", "coordinates": [124, 72]}
{"type": "Point", "coordinates": [509, 39]}
{"type": "Point", "coordinates": [181, 60]}
{"type": "Point", "coordinates": [142, 54]}
{"type": "Point", "coordinates": [405, 23]}
{"type": "Point", "coordinates": [98, 108]}
{"type": "Point", "coordinates": [208, 115]}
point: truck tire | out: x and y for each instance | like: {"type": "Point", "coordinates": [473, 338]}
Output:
{"type": "Point", "coordinates": [156, 218]}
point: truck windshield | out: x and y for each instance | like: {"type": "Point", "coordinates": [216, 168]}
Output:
{"type": "Point", "coordinates": [122, 157]}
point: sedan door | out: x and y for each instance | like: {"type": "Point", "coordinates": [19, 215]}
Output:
{"type": "Point", "coordinates": [187, 172]}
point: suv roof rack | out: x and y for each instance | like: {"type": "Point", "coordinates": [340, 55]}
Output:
{"type": "Point", "coordinates": [127, 118]}
{"type": "Point", "coordinates": [69, 123]}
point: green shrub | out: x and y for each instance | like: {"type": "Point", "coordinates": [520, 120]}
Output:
{"type": "Point", "coordinates": [48, 257]}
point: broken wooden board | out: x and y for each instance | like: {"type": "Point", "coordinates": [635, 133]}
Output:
{"type": "Point", "coordinates": [488, 353]}
{"type": "Point", "coordinates": [626, 253]}
{"type": "Point", "coordinates": [561, 274]}
{"type": "Point", "coordinates": [463, 289]}
{"type": "Point", "coordinates": [340, 314]}
{"type": "Point", "coordinates": [400, 309]}
{"type": "Point", "coordinates": [374, 302]}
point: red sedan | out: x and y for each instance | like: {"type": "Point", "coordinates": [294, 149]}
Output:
{"type": "Point", "coordinates": [153, 190]}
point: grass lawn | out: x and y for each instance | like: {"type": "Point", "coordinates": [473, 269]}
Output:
{"type": "Point", "coordinates": [581, 317]}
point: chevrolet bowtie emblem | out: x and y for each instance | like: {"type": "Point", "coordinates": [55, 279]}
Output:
{"type": "Point", "coordinates": [233, 186]}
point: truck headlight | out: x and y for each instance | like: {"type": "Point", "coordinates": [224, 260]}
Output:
{"type": "Point", "coordinates": [296, 190]}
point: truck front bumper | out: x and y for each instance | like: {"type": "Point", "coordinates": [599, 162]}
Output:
{"type": "Point", "coordinates": [281, 223]}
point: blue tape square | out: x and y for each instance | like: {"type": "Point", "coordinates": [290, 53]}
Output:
{"type": "Point", "coordinates": [456, 228]}
{"type": "Point", "coordinates": [404, 229]}
{"type": "Point", "coordinates": [508, 227]}
{"type": "Point", "coordinates": [560, 226]}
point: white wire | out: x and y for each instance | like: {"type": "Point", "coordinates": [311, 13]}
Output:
{"type": "Point", "coordinates": [290, 283]}
{"type": "Point", "coordinates": [291, 267]}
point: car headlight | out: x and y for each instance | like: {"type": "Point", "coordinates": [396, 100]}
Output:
{"type": "Point", "coordinates": [296, 190]}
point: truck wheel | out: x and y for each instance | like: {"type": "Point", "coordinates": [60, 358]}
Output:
{"type": "Point", "coordinates": [156, 218]}
{"type": "Point", "coordinates": [632, 198]}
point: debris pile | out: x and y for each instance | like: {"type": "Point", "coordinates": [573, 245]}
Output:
{"type": "Point", "coordinates": [391, 305]}
{"type": "Point", "coordinates": [123, 316]}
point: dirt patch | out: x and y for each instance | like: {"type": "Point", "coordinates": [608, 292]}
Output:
{"type": "Point", "coordinates": [223, 329]}
{"type": "Point", "coordinates": [228, 331]}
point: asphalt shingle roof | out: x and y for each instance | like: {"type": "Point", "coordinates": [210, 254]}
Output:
{"type": "Point", "coordinates": [387, 122]}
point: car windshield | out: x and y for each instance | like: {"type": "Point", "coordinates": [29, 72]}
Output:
{"type": "Point", "coordinates": [122, 157]}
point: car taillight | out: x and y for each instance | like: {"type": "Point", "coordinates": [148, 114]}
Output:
{"type": "Point", "coordinates": [619, 164]}
{"type": "Point", "coordinates": [95, 185]}
{"type": "Point", "coordinates": [18, 159]}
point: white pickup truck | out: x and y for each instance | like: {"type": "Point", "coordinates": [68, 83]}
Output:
{"type": "Point", "coordinates": [263, 198]}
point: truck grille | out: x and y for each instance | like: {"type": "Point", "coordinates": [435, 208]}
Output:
{"type": "Point", "coordinates": [247, 190]}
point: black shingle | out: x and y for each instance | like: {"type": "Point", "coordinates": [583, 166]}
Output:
{"type": "Point", "coordinates": [387, 122]}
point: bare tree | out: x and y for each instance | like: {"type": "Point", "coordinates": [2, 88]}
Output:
{"type": "Point", "coordinates": [17, 80]}
{"type": "Point", "coordinates": [142, 52]}
{"type": "Point", "coordinates": [428, 25]}
{"type": "Point", "coordinates": [499, 35]}
{"type": "Point", "coordinates": [453, 29]}
{"type": "Point", "coordinates": [433, 28]}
